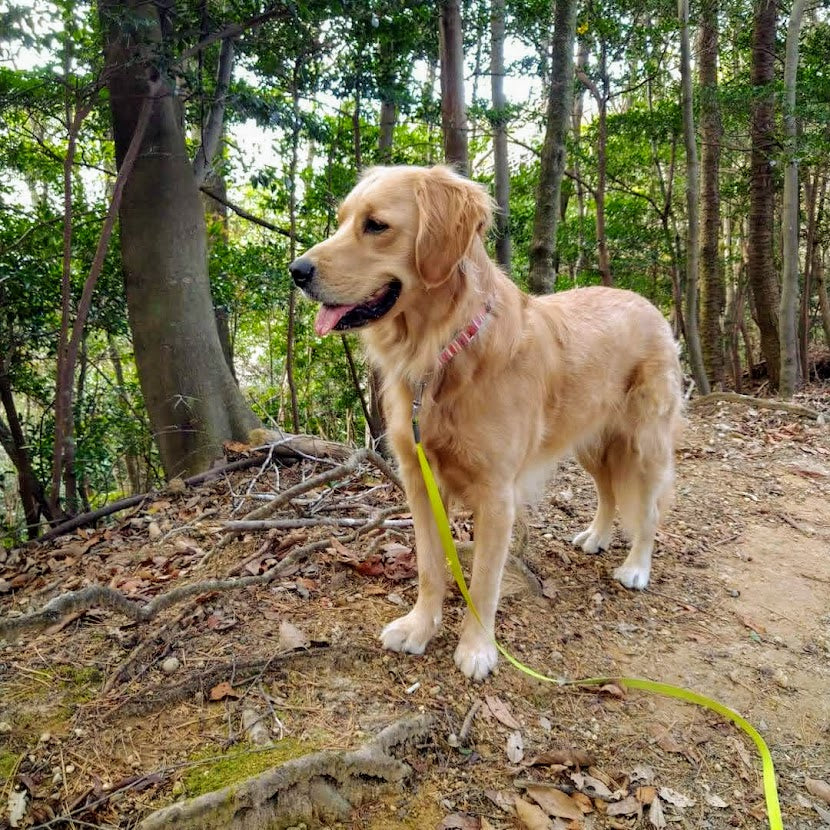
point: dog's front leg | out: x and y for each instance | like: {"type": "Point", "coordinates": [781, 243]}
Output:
{"type": "Point", "coordinates": [476, 653]}
{"type": "Point", "coordinates": [412, 632]}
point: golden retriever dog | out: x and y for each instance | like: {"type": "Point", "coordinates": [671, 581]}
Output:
{"type": "Point", "coordinates": [511, 383]}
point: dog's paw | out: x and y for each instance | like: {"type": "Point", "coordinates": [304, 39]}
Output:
{"type": "Point", "coordinates": [476, 657]}
{"type": "Point", "coordinates": [592, 542]}
{"type": "Point", "coordinates": [410, 633]}
{"type": "Point", "coordinates": [632, 576]}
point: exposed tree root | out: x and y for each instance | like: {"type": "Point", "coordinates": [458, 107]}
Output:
{"type": "Point", "coordinates": [760, 403]}
{"type": "Point", "coordinates": [102, 596]}
{"type": "Point", "coordinates": [317, 789]}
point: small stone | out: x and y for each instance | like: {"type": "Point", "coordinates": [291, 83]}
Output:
{"type": "Point", "coordinates": [70, 768]}
{"type": "Point", "coordinates": [176, 486]}
{"type": "Point", "coordinates": [153, 531]}
{"type": "Point", "coordinates": [45, 737]}
{"type": "Point", "coordinates": [5, 727]}
{"type": "Point", "coordinates": [178, 788]}
{"type": "Point", "coordinates": [171, 665]}
{"type": "Point", "coordinates": [781, 679]}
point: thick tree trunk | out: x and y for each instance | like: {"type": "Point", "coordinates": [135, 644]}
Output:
{"type": "Point", "coordinates": [499, 121]}
{"type": "Point", "coordinates": [692, 205]}
{"type": "Point", "coordinates": [453, 107]}
{"type": "Point", "coordinates": [552, 165]}
{"type": "Point", "coordinates": [761, 267]}
{"type": "Point", "coordinates": [787, 310]}
{"type": "Point", "coordinates": [712, 290]}
{"type": "Point", "coordinates": [191, 397]}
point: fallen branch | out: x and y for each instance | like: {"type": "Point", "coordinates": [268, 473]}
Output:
{"type": "Point", "coordinates": [318, 521]}
{"type": "Point", "coordinates": [760, 403]}
{"type": "Point", "coordinates": [320, 788]}
{"type": "Point", "coordinates": [343, 470]}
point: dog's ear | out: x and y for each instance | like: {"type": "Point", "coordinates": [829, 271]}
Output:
{"type": "Point", "coordinates": [452, 212]}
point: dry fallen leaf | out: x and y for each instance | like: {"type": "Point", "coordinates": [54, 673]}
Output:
{"type": "Point", "coordinates": [291, 637]}
{"type": "Point", "coordinates": [591, 785]}
{"type": "Point", "coordinates": [531, 816]}
{"type": "Point", "coordinates": [714, 800]}
{"type": "Point", "coordinates": [655, 814]}
{"type": "Point", "coordinates": [501, 712]}
{"type": "Point", "coordinates": [627, 807]}
{"type": "Point", "coordinates": [554, 802]}
{"type": "Point", "coordinates": [675, 798]}
{"type": "Point", "coordinates": [646, 795]}
{"type": "Point", "coordinates": [459, 821]}
{"type": "Point", "coordinates": [515, 747]}
{"type": "Point", "coordinates": [224, 690]}
{"type": "Point", "coordinates": [818, 788]}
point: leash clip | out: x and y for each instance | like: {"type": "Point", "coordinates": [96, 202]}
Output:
{"type": "Point", "coordinates": [416, 407]}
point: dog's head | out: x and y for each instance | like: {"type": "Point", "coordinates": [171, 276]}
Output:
{"type": "Point", "coordinates": [402, 231]}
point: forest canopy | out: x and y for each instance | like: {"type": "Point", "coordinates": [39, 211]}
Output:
{"type": "Point", "coordinates": [163, 162]}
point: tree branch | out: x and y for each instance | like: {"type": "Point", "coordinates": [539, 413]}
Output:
{"type": "Point", "coordinates": [242, 213]}
{"type": "Point", "coordinates": [212, 131]}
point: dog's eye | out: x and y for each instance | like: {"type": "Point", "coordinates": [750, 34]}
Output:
{"type": "Point", "coordinates": [373, 226]}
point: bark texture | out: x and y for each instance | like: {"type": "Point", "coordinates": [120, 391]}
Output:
{"type": "Point", "coordinates": [692, 204]}
{"type": "Point", "coordinates": [712, 290]}
{"type": "Point", "coordinates": [788, 308]}
{"type": "Point", "coordinates": [500, 161]}
{"type": "Point", "coordinates": [552, 165]}
{"type": "Point", "coordinates": [191, 397]}
{"type": "Point", "coordinates": [453, 108]}
{"type": "Point", "coordinates": [760, 265]}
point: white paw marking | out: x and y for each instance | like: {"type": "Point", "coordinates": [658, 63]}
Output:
{"type": "Point", "coordinates": [410, 633]}
{"type": "Point", "coordinates": [592, 542]}
{"type": "Point", "coordinates": [476, 657]}
{"type": "Point", "coordinates": [632, 576]}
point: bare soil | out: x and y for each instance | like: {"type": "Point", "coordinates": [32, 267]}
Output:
{"type": "Point", "coordinates": [738, 609]}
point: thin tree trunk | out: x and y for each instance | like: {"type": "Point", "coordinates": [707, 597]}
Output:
{"type": "Point", "coordinates": [292, 216]}
{"type": "Point", "coordinates": [499, 124]}
{"type": "Point", "coordinates": [386, 133]}
{"type": "Point", "coordinates": [811, 189]}
{"type": "Point", "coordinates": [762, 279]}
{"type": "Point", "coordinates": [130, 458]}
{"type": "Point", "coordinates": [13, 441]}
{"type": "Point", "coordinates": [552, 164]}
{"type": "Point", "coordinates": [578, 108]}
{"type": "Point", "coordinates": [191, 397]}
{"type": "Point", "coordinates": [711, 272]}
{"type": "Point", "coordinates": [453, 107]}
{"type": "Point", "coordinates": [787, 310]}
{"type": "Point", "coordinates": [692, 205]}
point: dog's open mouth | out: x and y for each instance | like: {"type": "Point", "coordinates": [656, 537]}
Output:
{"type": "Point", "coordinates": [345, 317]}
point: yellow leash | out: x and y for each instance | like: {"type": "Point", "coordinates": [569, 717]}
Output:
{"type": "Point", "coordinates": [441, 520]}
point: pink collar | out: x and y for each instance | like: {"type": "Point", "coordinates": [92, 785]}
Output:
{"type": "Point", "coordinates": [464, 337]}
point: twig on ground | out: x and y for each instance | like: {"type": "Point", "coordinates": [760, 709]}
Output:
{"type": "Point", "coordinates": [760, 403]}
{"type": "Point", "coordinates": [467, 725]}
{"type": "Point", "coordinates": [328, 521]}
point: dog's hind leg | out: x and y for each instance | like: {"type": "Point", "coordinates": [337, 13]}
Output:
{"type": "Point", "coordinates": [642, 476]}
{"type": "Point", "coordinates": [597, 536]}
{"type": "Point", "coordinates": [476, 654]}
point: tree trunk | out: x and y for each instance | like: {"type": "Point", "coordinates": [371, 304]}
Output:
{"type": "Point", "coordinates": [13, 441]}
{"type": "Point", "coordinates": [761, 273]}
{"type": "Point", "coordinates": [552, 164]}
{"type": "Point", "coordinates": [787, 310]}
{"type": "Point", "coordinates": [692, 204]}
{"type": "Point", "coordinates": [191, 397]}
{"type": "Point", "coordinates": [386, 133]}
{"type": "Point", "coordinates": [453, 107]}
{"type": "Point", "coordinates": [711, 272]}
{"type": "Point", "coordinates": [578, 108]}
{"type": "Point", "coordinates": [499, 123]}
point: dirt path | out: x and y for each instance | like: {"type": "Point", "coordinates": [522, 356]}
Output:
{"type": "Point", "coordinates": [738, 608]}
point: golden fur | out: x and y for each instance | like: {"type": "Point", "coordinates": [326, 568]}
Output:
{"type": "Point", "coordinates": [593, 371]}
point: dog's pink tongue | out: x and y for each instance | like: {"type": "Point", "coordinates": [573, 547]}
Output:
{"type": "Point", "coordinates": [329, 316]}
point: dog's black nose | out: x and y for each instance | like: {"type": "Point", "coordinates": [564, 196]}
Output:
{"type": "Point", "coordinates": [302, 271]}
